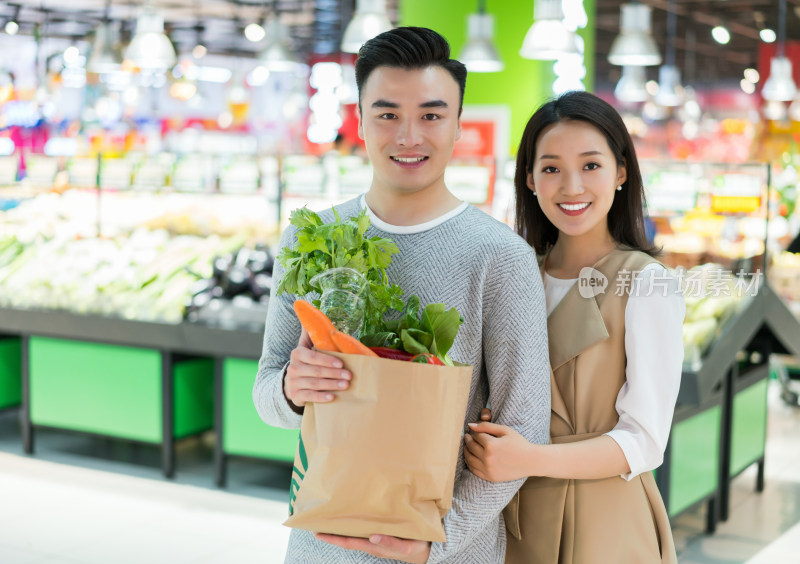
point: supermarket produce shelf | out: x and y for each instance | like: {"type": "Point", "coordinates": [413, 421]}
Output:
{"type": "Point", "coordinates": [765, 315]}
{"type": "Point", "coordinates": [182, 338]}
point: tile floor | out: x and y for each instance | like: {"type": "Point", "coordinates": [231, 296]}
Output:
{"type": "Point", "coordinates": [86, 500]}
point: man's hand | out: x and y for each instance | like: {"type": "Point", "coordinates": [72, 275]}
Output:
{"type": "Point", "coordinates": [383, 546]}
{"type": "Point", "coordinates": [313, 375]}
{"type": "Point", "coordinates": [497, 453]}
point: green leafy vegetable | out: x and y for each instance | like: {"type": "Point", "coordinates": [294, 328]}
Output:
{"type": "Point", "coordinates": [433, 331]}
{"type": "Point", "coordinates": [341, 243]}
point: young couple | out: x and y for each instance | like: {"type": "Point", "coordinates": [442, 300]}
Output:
{"type": "Point", "coordinates": [589, 494]}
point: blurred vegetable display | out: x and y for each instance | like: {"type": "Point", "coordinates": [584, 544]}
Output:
{"type": "Point", "coordinates": [160, 264]}
{"type": "Point", "coordinates": [236, 293]}
{"type": "Point", "coordinates": [710, 303]}
{"type": "Point", "coordinates": [784, 277]}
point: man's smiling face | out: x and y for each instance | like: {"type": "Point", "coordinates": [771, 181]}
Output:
{"type": "Point", "coordinates": [410, 122]}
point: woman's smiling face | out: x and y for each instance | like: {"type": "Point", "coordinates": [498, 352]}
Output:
{"type": "Point", "coordinates": [575, 176]}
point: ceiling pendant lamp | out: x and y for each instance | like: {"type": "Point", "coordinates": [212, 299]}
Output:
{"type": "Point", "coordinates": [780, 86]}
{"type": "Point", "coordinates": [670, 91]}
{"type": "Point", "coordinates": [479, 53]}
{"type": "Point", "coordinates": [277, 56]}
{"type": "Point", "coordinates": [105, 56]}
{"type": "Point", "coordinates": [794, 109]}
{"type": "Point", "coordinates": [774, 110]}
{"type": "Point", "coordinates": [150, 49]}
{"type": "Point", "coordinates": [631, 85]}
{"type": "Point", "coordinates": [634, 46]}
{"type": "Point", "coordinates": [548, 38]}
{"type": "Point", "coordinates": [369, 20]}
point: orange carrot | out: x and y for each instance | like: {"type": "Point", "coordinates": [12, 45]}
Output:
{"type": "Point", "coordinates": [317, 324]}
{"type": "Point", "coordinates": [350, 345]}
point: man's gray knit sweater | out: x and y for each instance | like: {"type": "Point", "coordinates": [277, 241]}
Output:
{"type": "Point", "coordinates": [481, 267]}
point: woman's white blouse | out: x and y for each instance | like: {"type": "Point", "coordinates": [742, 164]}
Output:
{"type": "Point", "coordinates": [654, 349]}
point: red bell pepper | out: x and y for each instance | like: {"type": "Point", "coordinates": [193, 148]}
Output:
{"type": "Point", "coordinates": [428, 358]}
{"type": "Point", "coordinates": [394, 354]}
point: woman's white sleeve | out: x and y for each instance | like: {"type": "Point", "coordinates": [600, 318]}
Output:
{"type": "Point", "coordinates": [654, 349]}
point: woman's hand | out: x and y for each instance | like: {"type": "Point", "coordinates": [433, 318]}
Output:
{"type": "Point", "coordinates": [497, 453]}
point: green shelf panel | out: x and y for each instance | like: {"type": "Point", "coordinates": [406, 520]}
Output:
{"type": "Point", "coordinates": [244, 433]}
{"type": "Point", "coordinates": [10, 372]}
{"type": "Point", "coordinates": [96, 388]}
{"type": "Point", "coordinates": [748, 426]}
{"type": "Point", "coordinates": [194, 396]}
{"type": "Point", "coordinates": [694, 469]}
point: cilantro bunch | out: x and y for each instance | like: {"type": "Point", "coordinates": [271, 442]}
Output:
{"type": "Point", "coordinates": [341, 243]}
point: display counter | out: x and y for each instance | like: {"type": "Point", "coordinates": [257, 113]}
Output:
{"type": "Point", "coordinates": [10, 371]}
{"type": "Point", "coordinates": [152, 383]}
{"type": "Point", "coordinates": [711, 219]}
{"type": "Point", "coordinates": [240, 431]}
{"type": "Point", "coordinates": [719, 427]}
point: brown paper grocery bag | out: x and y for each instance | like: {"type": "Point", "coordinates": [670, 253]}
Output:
{"type": "Point", "coordinates": [381, 458]}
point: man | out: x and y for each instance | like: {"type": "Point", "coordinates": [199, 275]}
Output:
{"type": "Point", "coordinates": [410, 100]}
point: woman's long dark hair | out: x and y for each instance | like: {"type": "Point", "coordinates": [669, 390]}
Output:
{"type": "Point", "coordinates": [626, 216]}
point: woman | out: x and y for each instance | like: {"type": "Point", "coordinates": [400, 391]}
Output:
{"type": "Point", "coordinates": [615, 320]}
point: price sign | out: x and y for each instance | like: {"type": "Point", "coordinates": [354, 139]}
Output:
{"type": "Point", "coordinates": [41, 170]}
{"type": "Point", "coordinates": [190, 174]}
{"type": "Point", "coordinates": [670, 192]}
{"type": "Point", "coordinates": [303, 175]}
{"type": "Point", "coordinates": [115, 174]}
{"type": "Point", "coordinates": [240, 176]}
{"type": "Point", "coordinates": [736, 193]}
{"type": "Point", "coordinates": [150, 175]}
{"type": "Point", "coordinates": [469, 183]}
{"type": "Point", "coordinates": [355, 176]}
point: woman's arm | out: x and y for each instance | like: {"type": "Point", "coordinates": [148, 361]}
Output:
{"type": "Point", "coordinates": [654, 352]}
{"type": "Point", "coordinates": [499, 454]}
{"type": "Point", "coordinates": [645, 403]}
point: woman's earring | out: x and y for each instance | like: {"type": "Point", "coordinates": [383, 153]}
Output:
{"type": "Point", "coordinates": [619, 188]}
{"type": "Point", "coordinates": [534, 194]}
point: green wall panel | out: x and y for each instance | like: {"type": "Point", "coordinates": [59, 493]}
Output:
{"type": "Point", "coordinates": [244, 433]}
{"type": "Point", "coordinates": [694, 469]}
{"type": "Point", "coordinates": [749, 426]}
{"type": "Point", "coordinates": [96, 388]}
{"type": "Point", "coordinates": [10, 372]}
{"type": "Point", "coordinates": [524, 84]}
{"type": "Point", "coordinates": [194, 396]}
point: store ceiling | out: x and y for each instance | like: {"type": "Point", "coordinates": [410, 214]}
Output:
{"type": "Point", "coordinates": [316, 26]}
{"type": "Point", "coordinates": [702, 61]}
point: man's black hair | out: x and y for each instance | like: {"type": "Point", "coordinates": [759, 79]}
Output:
{"type": "Point", "coordinates": [408, 48]}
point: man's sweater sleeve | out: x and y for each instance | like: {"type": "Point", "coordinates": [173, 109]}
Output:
{"type": "Point", "coordinates": [281, 334]}
{"type": "Point", "coordinates": [518, 370]}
